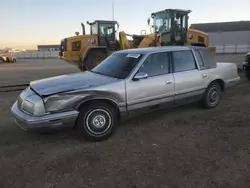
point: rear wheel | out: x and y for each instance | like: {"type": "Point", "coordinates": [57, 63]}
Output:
{"type": "Point", "coordinates": [97, 121]}
{"type": "Point", "coordinates": [94, 58]}
{"type": "Point", "coordinates": [212, 95]}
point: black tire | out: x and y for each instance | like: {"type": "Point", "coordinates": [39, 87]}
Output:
{"type": "Point", "coordinates": [105, 118]}
{"type": "Point", "coordinates": [212, 96]}
{"type": "Point", "coordinates": [81, 68]}
{"type": "Point", "coordinates": [248, 76]}
{"type": "Point", "coordinates": [94, 55]}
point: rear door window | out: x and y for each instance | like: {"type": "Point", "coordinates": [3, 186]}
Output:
{"type": "Point", "coordinates": [183, 61]}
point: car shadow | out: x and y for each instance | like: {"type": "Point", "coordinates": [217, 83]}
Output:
{"type": "Point", "coordinates": [15, 135]}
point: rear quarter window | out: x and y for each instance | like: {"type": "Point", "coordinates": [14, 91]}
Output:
{"type": "Point", "coordinates": [208, 58]}
{"type": "Point", "coordinates": [199, 59]}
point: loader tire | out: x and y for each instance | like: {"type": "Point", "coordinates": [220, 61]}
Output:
{"type": "Point", "coordinates": [82, 68]}
{"type": "Point", "coordinates": [94, 58]}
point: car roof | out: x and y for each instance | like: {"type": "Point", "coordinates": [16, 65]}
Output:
{"type": "Point", "coordinates": [154, 49]}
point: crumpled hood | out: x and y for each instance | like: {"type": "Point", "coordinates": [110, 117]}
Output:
{"type": "Point", "coordinates": [69, 82]}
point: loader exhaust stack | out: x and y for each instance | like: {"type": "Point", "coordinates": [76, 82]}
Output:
{"type": "Point", "coordinates": [83, 28]}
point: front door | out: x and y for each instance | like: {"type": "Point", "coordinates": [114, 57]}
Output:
{"type": "Point", "coordinates": [155, 91]}
{"type": "Point", "coordinates": [189, 81]}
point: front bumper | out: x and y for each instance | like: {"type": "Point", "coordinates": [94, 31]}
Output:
{"type": "Point", "coordinates": [43, 123]}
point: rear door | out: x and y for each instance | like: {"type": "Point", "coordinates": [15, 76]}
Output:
{"type": "Point", "coordinates": [188, 80]}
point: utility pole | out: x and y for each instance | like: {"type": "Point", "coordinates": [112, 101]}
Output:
{"type": "Point", "coordinates": [113, 10]}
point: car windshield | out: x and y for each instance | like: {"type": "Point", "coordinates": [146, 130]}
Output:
{"type": "Point", "coordinates": [118, 65]}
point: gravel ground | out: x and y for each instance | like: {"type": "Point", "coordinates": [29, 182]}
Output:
{"type": "Point", "coordinates": [185, 147]}
{"type": "Point", "coordinates": [26, 70]}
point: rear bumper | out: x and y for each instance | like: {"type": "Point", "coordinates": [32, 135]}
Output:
{"type": "Point", "coordinates": [44, 123]}
{"type": "Point", "coordinates": [232, 82]}
{"type": "Point", "coordinates": [246, 68]}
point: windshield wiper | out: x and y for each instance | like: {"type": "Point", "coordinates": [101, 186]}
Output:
{"type": "Point", "coordinates": [96, 72]}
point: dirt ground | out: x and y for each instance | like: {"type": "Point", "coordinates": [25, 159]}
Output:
{"type": "Point", "coordinates": [185, 147]}
{"type": "Point", "coordinates": [26, 70]}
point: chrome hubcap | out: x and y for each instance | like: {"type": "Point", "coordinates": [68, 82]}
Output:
{"type": "Point", "coordinates": [98, 121]}
{"type": "Point", "coordinates": [213, 96]}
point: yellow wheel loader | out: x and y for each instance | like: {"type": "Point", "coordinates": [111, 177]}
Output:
{"type": "Point", "coordinates": [170, 27]}
{"type": "Point", "coordinates": [7, 58]}
{"type": "Point", "coordinates": [88, 50]}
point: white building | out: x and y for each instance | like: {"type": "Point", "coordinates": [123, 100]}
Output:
{"type": "Point", "coordinates": [54, 47]}
{"type": "Point", "coordinates": [226, 33]}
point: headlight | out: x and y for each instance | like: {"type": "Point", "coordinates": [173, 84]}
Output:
{"type": "Point", "coordinates": [39, 108]}
{"type": "Point", "coordinates": [31, 103]}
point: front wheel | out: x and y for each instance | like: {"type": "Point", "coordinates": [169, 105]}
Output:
{"type": "Point", "coordinates": [94, 58]}
{"type": "Point", "coordinates": [97, 121]}
{"type": "Point", "coordinates": [212, 96]}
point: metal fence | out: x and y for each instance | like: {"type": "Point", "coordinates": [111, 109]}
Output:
{"type": "Point", "coordinates": [35, 55]}
{"type": "Point", "coordinates": [220, 49]}
{"type": "Point", "coordinates": [232, 48]}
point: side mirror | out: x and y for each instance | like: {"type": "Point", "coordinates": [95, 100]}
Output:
{"type": "Point", "coordinates": [140, 75]}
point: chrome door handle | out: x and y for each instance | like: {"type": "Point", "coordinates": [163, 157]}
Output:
{"type": "Point", "coordinates": [168, 82]}
{"type": "Point", "coordinates": [204, 75]}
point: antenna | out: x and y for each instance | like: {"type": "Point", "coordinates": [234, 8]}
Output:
{"type": "Point", "coordinates": [113, 10]}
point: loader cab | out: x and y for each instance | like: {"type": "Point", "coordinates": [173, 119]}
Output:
{"type": "Point", "coordinates": [106, 31]}
{"type": "Point", "coordinates": [171, 26]}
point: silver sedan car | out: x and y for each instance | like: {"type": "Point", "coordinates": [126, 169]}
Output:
{"type": "Point", "coordinates": [127, 83]}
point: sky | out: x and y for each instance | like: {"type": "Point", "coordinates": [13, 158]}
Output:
{"type": "Point", "coordinates": [27, 23]}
